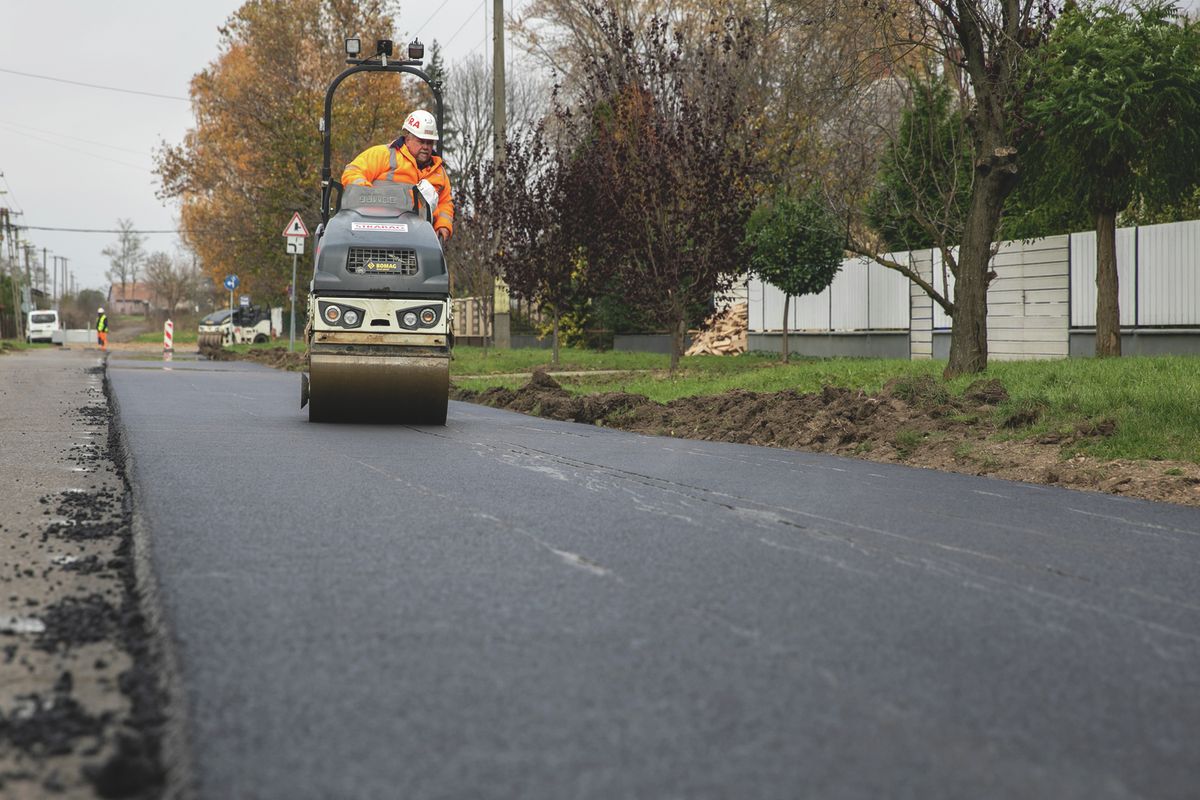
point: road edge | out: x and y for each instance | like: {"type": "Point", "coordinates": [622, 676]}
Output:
{"type": "Point", "coordinates": [175, 745]}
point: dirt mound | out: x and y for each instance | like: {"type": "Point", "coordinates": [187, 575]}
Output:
{"type": "Point", "coordinates": [916, 421]}
{"type": "Point", "coordinates": [544, 397]}
{"type": "Point", "coordinates": [276, 357]}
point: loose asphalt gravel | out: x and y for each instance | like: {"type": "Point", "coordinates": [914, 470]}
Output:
{"type": "Point", "coordinates": [80, 703]}
{"type": "Point", "coordinates": [511, 607]}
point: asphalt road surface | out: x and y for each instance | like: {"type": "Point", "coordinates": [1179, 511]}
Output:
{"type": "Point", "coordinates": [509, 607]}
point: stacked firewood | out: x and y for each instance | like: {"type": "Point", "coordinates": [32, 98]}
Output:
{"type": "Point", "coordinates": [724, 334]}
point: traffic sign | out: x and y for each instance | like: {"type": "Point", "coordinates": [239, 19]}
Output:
{"type": "Point", "coordinates": [295, 245]}
{"type": "Point", "coordinates": [244, 300]}
{"type": "Point", "coordinates": [232, 282]}
{"type": "Point", "coordinates": [296, 227]}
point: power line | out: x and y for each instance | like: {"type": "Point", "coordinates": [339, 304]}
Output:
{"type": "Point", "coordinates": [460, 27]}
{"type": "Point", "coordinates": [74, 138]}
{"type": "Point", "coordinates": [431, 16]}
{"type": "Point", "coordinates": [19, 209]}
{"type": "Point", "coordinates": [93, 230]}
{"type": "Point", "coordinates": [95, 85]}
{"type": "Point", "coordinates": [84, 152]}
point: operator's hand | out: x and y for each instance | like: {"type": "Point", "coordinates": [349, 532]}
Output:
{"type": "Point", "coordinates": [443, 235]}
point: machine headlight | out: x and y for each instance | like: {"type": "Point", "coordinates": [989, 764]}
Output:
{"type": "Point", "coordinates": [410, 319]}
{"type": "Point", "coordinates": [428, 316]}
{"type": "Point", "coordinates": [332, 314]}
{"type": "Point", "coordinates": [350, 317]}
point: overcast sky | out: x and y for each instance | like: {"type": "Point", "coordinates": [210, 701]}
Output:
{"type": "Point", "coordinates": [80, 157]}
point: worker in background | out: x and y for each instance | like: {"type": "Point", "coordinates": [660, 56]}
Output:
{"type": "Point", "coordinates": [410, 159]}
{"type": "Point", "coordinates": [102, 328]}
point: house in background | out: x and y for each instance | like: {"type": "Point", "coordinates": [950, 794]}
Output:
{"type": "Point", "coordinates": [134, 298]}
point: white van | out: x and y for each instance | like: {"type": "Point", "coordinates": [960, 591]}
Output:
{"type": "Point", "coordinates": [41, 326]}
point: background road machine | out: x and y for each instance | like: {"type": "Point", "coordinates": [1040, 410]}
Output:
{"type": "Point", "coordinates": [379, 302]}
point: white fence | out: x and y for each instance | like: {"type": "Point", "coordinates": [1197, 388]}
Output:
{"type": "Point", "coordinates": [1158, 267]}
{"type": "Point", "coordinates": [1043, 289]}
{"type": "Point", "coordinates": [863, 296]}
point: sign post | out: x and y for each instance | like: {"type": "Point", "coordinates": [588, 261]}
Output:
{"type": "Point", "coordinates": [295, 233]}
{"type": "Point", "coordinates": [231, 283]}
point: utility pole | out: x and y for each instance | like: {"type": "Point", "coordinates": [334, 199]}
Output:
{"type": "Point", "coordinates": [7, 250]}
{"type": "Point", "coordinates": [18, 311]}
{"type": "Point", "coordinates": [29, 273]}
{"type": "Point", "coordinates": [498, 141]}
{"type": "Point", "coordinates": [498, 117]}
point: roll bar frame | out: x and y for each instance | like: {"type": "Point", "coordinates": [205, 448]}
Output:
{"type": "Point", "coordinates": [408, 67]}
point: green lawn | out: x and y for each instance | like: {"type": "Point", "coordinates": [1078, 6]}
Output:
{"type": "Point", "coordinates": [278, 344]}
{"type": "Point", "coordinates": [181, 335]}
{"type": "Point", "coordinates": [471, 361]}
{"type": "Point", "coordinates": [1153, 400]}
{"type": "Point", "coordinates": [21, 344]}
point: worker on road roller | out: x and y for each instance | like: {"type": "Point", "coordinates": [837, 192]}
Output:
{"type": "Point", "coordinates": [379, 331]}
{"type": "Point", "coordinates": [409, 159]}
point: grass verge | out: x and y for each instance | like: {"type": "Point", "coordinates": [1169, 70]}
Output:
{"type": "Point", "coordinates": [181, 336]}
{"type": "Point", "coordinates": [20, 344]}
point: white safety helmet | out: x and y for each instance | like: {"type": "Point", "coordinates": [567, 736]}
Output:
{"type": "Point", "coordinates": [422, 125]}
{"type": "Point", "coordinates": [100, 310]}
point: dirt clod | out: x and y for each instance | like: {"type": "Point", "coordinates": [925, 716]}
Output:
{"type": "Point", "coordinates": [987, 392]}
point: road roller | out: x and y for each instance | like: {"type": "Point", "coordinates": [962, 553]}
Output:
{"type": "Point", "coordinates": [379, 334]}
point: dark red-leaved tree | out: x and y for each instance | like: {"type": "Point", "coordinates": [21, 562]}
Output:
{"type": "Point", "coordinates": [540, 257]}
{"type": "Point", "coordinates": [660, 175]}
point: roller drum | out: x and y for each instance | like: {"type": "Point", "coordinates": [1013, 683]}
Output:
{"type": "Point", "coordinates": [378, 388]}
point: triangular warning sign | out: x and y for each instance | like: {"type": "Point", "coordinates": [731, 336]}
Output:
{"type": "Point", "coordinates": [296, 227]}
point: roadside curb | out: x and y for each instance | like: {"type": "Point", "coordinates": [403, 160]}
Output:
{"type": "Point", "coordinates": [175, 744]}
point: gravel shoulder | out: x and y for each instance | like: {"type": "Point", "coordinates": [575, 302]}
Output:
{"type": "Point", "coordinates": [80, 704]}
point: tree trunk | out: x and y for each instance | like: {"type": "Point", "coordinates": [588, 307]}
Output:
{"type": "Point", "coordinates": [678, 329]}
{"type": "Point", "coordinates": [1108, 310]}
{"type": "Point", "coordinates": [485, 326]}
{"type": "Point", "coordinates": [968, 333]}
{"type": "Point", "coordinates": [786, 300]}
{"type": "Point", "coordinates": [554, 352]}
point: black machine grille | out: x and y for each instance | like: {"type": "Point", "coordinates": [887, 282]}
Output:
{"type": "Point", "coordinates": [381, 261]}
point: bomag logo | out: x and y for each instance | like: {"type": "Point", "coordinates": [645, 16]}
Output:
{"type": "Point", "coordinates": [379, 199]}
{"type": "Point", "coordinates": [381, 266]}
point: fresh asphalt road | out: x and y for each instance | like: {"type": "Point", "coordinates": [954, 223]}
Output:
{"type": "Point", "coordinates": [510, 607]}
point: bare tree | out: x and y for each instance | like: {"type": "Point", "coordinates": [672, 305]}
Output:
{"type": "Point", "coordinates": [172, 279]}
{"type": "Point", "coordinates": [125, 255]}
{"type": "Point", "coordinates": [564, 35]}
{"type": "Point", "coordinates": [471, 254]}
{"type": "Point", "coordinates": [527, 92]}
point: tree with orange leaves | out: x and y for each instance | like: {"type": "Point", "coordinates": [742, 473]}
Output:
{"type": "Point", "coordinates": [254, 154]}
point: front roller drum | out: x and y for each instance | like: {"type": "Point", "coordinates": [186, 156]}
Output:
{"type": "Point", "coordinates": [390, 389]}
{"type": "Point", "coordinates": [207, 342]}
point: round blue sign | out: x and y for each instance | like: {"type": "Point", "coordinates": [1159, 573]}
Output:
{"type": "Point", "coordinates": [231, 282]}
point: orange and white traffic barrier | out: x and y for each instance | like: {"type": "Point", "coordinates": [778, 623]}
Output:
{"type": "Point", "coordinates": [168, 335]}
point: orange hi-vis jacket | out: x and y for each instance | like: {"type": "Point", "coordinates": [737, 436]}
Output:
{"type": "Point", "coordinates": [393, 162]}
